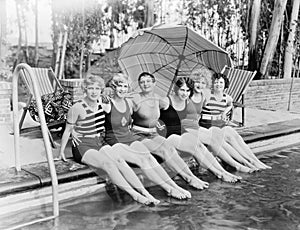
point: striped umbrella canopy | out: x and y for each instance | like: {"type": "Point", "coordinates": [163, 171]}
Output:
{"type": "Point", "coordinates": [168, 52]}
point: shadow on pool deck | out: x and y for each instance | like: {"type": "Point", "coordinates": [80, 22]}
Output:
{"type": "Point", "coordinates": [37, 175]}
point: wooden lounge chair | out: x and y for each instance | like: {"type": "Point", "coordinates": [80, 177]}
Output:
{"type": "Point", "coordinates": [239, 81]}
{"type": "Point", "coordinates": [47, 83]}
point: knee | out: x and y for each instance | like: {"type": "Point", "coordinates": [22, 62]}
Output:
{"type": "Point", "coordinates": [109, 165]}
{"type": "Point", "coordinates": [230, 133]}
{"type": "Point", "coordinates": [201, 146]}
{"type": "Point", "coordinates": [168, 151]}
{"type": "Point", "coordinates": [140, 147]}
{"type": "Point", "coordinates": [116, 159]}
{"type": "Point", "coordinates": [144, 161]}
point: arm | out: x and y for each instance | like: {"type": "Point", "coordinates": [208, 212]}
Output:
{"type": "Point", "coordinates": [71, 120]}
{"type": "Point", "coordinates": [130, 104]}
{"type": "Point", "coordinates": [106, 104]}
{"type": "Point", "coordinates": [163, 102]}
{"type": "Point", "coordinates": [228, 108]}
{"type": "Point", "coordinates": [135, 100]}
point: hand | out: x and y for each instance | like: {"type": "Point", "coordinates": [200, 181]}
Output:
{"type": "Point", "coordinates": [75, 138]}
{"type": "Point", "coordinates": [105, 99]}
{"type": "Point", "coordinates": [160, 126]}
{"type": "Point", "coordinates": [224, 117]}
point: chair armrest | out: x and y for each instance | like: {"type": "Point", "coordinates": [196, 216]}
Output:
{"type": "Point", "coordinates": [238, 104]}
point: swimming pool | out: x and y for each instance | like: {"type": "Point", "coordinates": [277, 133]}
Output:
{"type": "Point", "coordinates": [268, 199]}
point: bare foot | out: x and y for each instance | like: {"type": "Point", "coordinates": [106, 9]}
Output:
{"type": "Point", "coordinates": [245, 169]}
{"type": "Point", "coordinates": [176, 194]}
{"type": "Point", "coordinates": [152, 199]}
{"type": "Point", "coordinates": [252, 166]}
{"type": "Point", "coordinates": [235, 176]}
{"type": "Point", "coordinates": [261, 165]}
{"type": "Point", "coordinates": [197, 183]}
{"type": "Point", "coordinates": [142, 199]}
{"type": "Point", "coordinates": [227, 177]}
{"type": "Point", "coordinates": [267, 166]}
{"type": "Point", "coordinates": [187, 194]}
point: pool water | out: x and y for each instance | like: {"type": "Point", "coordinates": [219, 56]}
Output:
{"type": "Point", "coordinates": [268, 199]}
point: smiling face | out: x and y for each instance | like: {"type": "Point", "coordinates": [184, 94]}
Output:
{"type": "Point", "coordinates": [183, 92]}
{"type": "Point", "coordinates": [146, 84]}
{"type": "Point", "coordinates": [121, 89]}
{"type": "Point", "coordinates": [199, 85]}
{"type": "Point", "coordinates": [93, 91]}
{"type": "Point", "coordinates": [219, 85]}
{"type": "Point", "coordinates": [92, 86]}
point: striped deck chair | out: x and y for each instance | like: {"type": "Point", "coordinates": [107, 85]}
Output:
{"type": "Point", "coordinates": [239, 81]}
{"type": "Point", "coordinates": [47, 84]}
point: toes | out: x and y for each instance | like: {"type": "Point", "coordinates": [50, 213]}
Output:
{"type": "Point", "coordinates": [176, 194]}
{"type": "Point", "coordinates": [198, 184]}
{"type": "Point", "coordinates": [155, 201]}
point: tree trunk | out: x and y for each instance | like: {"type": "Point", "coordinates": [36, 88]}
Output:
{"type": "Point", "coordinates": [149, 13]}
{"type": "Point", "coordinates": [56, 31]}
{"type": "Point", "coordinates": [23, 18]}
{"type": "Point", "coordinates": [36, 51]}
{"type": "Point", "coordinates": [274, 32]}
{"type": "Point", "coordinates": [290, 49]}
{"type": "Point", "coordinates": [3, 18]}
{"type": "Point", "coordinates": [254, 14]}
{"type": "Point", "coordinates": [20, 35]}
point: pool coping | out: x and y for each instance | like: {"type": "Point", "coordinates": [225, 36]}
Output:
{"type": "Point", "coordinates": [34, 176]}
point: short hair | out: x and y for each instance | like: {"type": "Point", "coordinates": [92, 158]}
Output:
{"type": "Point", "coordinates": [202, 73]}
{"type": "Point", "coordinates": [91, 79]}
{"type": "Point", "coordinates": [143, 74]}
{"type": "Point", "coordinates": [181, 81]}
{"type": "Point", "coordinates": [219, 76]}
{"type": "Point", "coordinates": [117, 79]}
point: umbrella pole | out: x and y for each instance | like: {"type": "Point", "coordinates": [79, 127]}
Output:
{"type": "Point", "coordinates": [175, 76]}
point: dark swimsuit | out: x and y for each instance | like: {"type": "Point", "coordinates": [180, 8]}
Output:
{"type": "Point", "coordinates": [172, 119]}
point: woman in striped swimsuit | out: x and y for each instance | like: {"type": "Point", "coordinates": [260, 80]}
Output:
{"type": "Point", "coordinates": [229, 139]}
{"type": "Point", "coordinates": [217, 105]}
{"type": "Point", "coordinates": [85, 123]}
{"type": "Point", "coordinates": [117, 123]}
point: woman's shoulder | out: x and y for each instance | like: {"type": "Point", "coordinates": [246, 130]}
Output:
{"type": "Point", "coordinates": [206, 93]}
{"type": "Point", "coordinates": [77, 105]}
{"type": "Point", "coordinates": [128, 101]}
{"type": "Point", "coordinates": [228, 98]}
{"type": "Point", "coordinates": [76, 109]}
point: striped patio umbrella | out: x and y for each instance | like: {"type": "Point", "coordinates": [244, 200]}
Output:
{"type": "Point", "coordinates": [168, 52]}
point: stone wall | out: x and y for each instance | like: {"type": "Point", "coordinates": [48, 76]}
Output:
{"type": "Point", "coordinates": [274, 94]}
{"type": "Point", "coordinates": [5, 98]}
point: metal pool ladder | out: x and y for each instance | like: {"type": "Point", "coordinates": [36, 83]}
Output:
{"type": "Point", "coordinates": [46, 139]}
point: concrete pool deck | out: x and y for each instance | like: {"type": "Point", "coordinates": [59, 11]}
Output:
{"type": "Point", "coordinates": [263, 130]}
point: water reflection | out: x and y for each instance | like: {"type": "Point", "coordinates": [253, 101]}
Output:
{"type": "Point", "coordinates": [265, 200]}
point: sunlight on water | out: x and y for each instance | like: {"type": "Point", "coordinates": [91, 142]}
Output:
{"type": "Point", "coordinates": [265, 200]}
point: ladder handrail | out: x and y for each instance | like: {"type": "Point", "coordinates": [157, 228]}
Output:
{"type": "Point", "coordinates": [44, 129]}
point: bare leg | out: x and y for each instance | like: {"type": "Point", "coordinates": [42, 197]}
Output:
{"type": "Point", "coordinates": [215, 139]}
{"type": "Point", "coordinates": [99, 159]}
{"type": "Point", "coordinates": [237, 142]}
{"type": "Point", "coordinates": [205, 136]}
{"type": "Point", "coordinates": [232, 152]}
{"type": "Point", "coordinates": [138, 154]}
{"type": "Point", "coordinates": [190, 143]}
{"type": "Point", "coordinates": [229, 160]}
{"type": "Point", "coordinates": [159, 146]}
